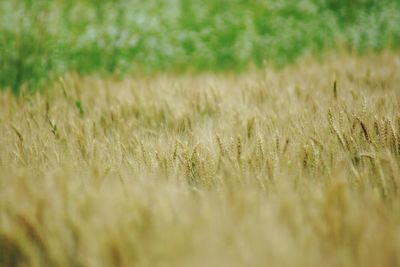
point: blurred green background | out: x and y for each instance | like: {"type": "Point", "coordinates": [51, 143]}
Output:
{"type": "Point", "coordinates": [40, 39]}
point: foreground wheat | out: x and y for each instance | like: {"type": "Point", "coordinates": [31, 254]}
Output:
{"type": "Point", "coordinates": [292, 168]}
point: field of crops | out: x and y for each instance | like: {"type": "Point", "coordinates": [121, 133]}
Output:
{"type": "Point", "coordinates": [296, 167]}
{"type": "Point", "coordinates": [216, 133]}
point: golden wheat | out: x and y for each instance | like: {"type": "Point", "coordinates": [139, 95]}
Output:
{"type": "Point", "coordinates": [265, 168]}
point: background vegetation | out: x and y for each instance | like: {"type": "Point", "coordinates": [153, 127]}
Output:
{"type": "Point", "coordinates": [42, 39]}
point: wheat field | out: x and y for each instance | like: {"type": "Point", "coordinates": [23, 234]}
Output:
{"type": "Point", "coordinates": [290, 167]}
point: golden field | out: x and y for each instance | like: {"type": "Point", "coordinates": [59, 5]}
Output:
{"type": "Point", "coordinates": [290, 167]}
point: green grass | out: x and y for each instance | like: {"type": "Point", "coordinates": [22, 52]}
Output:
{"type": "Point", "coordinates": [42, 39]}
